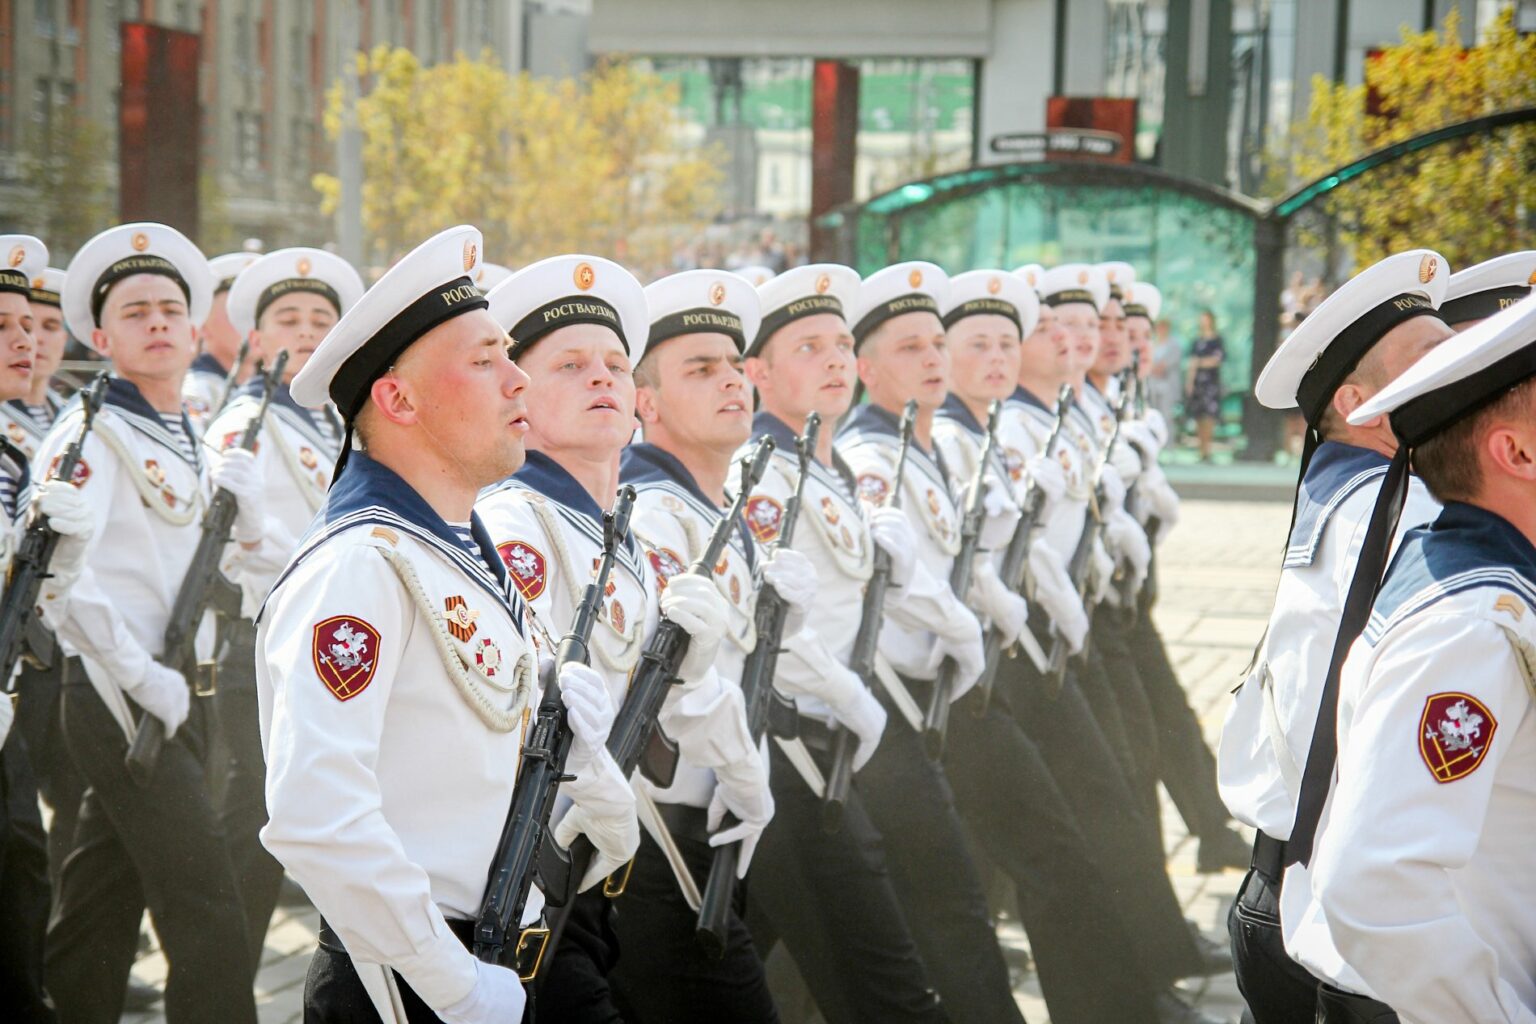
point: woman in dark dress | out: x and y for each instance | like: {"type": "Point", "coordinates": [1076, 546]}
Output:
{"type": "Point", "coordinates": [1204, 382]}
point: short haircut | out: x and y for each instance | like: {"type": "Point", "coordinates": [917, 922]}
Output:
{"type": "Point", "coordinates": [1450, 463]}
{"type": "Point", "coordinates": [645, 372]}
{"type": "Point", "coordinates": [1368, 373]}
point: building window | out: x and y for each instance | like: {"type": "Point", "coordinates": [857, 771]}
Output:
{"type": "Point", "coordinates": [42, 18]}
{"type": "Point", "coordinates": [249, 142]}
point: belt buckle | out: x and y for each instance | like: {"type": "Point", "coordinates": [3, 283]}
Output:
{"type": "Point", "coordinates": [205, 682]}
{"type": "Point", "coordinates": [615, 884]}
{"type": "Point", "coordinates": [526, 950]}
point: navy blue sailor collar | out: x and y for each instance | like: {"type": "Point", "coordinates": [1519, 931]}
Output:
{"type": "Point", "coordinates": [283, 398]}
{"type": "Point", "coordinates": [1337, 470]}
{"type": "Point", "coordinates": [870, 418]}
{"type": "Point", "coordinates": [546, 476]}
{"type": "Point", "coordinates": [125, 398]}
{"type": "Point", "coordinates": [205, 363]}
{"type": "Point", "coordinates": [14, 463]}
{"type": "Point", "coordinates": [370, 491]}
{"type": "Point", "coordinates": [1024, 396]}
{"type": "Point", "coordinates": [644, 463]}
{"type": "Point", "coordinates": [767, 424]}
{"type": "Point", "coordinates": [1464, 548]}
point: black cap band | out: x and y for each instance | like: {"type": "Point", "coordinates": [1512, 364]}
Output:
{"type": "Point", "coordinates": [1115, 291]}
{"type": "Point", "coordinates": [290, 285]}
{"type": "Point", "coordinates": [1315, 391]}
{"type": "Point", "coordinates": [981, 307]}
{"type": "Point", "coordinates": [349, 387]}
{"type": "Point", "coordinates": [1136, 309]}
{"type": "Point", "coordinates": [1421, 418]}
{"type": "Point", "coordinates": [127, 267]}
{"type": "Point", "coordinates": [916, 302]}
{"type": "Point", "coordinates": [563, 312]}
{"type": "Point", "coordinates": [698, 321]}
{"type": "Point", "coordinates": [225, 284]}
{"type": "Point", "coordinates": [1481, 305]}
{"type": "Point", "coordinates": [810, 305]}
{"type": "Point", "coordinates": [46, 296]}
{"type": "Point", "coordinates": [15, 281]}
{"type": "Point", "coordinates": [1067, 295]}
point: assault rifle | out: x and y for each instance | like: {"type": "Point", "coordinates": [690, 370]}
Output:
{"type": "Point", "coordinates": [197, 594]}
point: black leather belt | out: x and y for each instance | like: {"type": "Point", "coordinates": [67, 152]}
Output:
{"type": "Point", "coordinates": [526, 957]}
{"type": "Point", "coordinates": [1269, 859]}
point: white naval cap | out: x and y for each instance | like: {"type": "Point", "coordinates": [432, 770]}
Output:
{"type": "Point", "coordinates": [1325, 348]}
{"type": "Point", "coordinates": [432, 284]}
{"type": "Point", "coordinates": [1482, 290]}
{"type": "Point", "coordinates": [1031, 274]}
{"type": "Point", "coordinates": [1074, 282]}
{"type": "Point", "coordinates": [48, 287]}
{"type": "Point", "coordinates": [802, 292]}
{"type": "Point", "coordinates": [1458, 376]}
{"type": "Point", "coordinates": [127, 250]}
{"type": "Point", "coordinates": [25, 258]}
{"type": "Point", "coordinates": [1119, 276]}
{"type": "Point", "coordinates": [702, 302]}
{"type": "Point", "coordinates": [1143, 299]}
{"type": "Point", "coordinates": [490, 275]}
{"type": "Point", "coordinates": [914, 286]}
{"type": "Point", "coordinates": [757, 276]}
{"type": "Point", "coordinates": [291, 270]}
{"type": "Point", "coordinates": [977, 292]}
{"type": "Point", "coordinates": [227, 267]}
{"type": "Point", "coordinates": [571, 289]}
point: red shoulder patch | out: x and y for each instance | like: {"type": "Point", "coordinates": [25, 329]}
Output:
{"type": "Point", "coordinates": [1454, 733]}
{"type": "Point", "coordinates": [666, 563]}
{"type": "Point", "coordinates": [346, 655]}
{"type": "Point", "coordinates": [763, 517]}
{"type": "Point", "coordinates": [81, 474]}
{"type": "Point", "coordinates": [527, 566]}
{"type": "Point", "coordinates": [873, 489]}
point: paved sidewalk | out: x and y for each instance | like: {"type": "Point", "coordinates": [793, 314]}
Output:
{"type": "Point", "coordinates": [1218, 570]}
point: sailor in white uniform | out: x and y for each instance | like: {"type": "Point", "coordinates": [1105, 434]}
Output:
{"type": "Point", "coordinates": [137, 292]}
{"type": "Point", "coordinates": [395, 670]}
{"type": "Point", "coordinates": [546, 522]}
{"type": "Point", "coordinates": [1476, 293]}
{"type": "Point", "coordinates": [26, 418]}
{"type": "Point", "coordinates": [1422, 871]}
{"type": "Point", "coordinates": [1358, 341]}
{"type": "Point", "coordinates": [695, 409]}
{"type": "Point", "coordinates": [207, 386]}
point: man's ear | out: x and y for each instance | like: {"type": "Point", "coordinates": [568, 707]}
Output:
{"type": "Point", "coordinates": [391, 397]}
{"type": "Point", "coordinates": [101, 343]}
{"type": "Point", "coordinates": [646, 410]}
{"type": "Point", "coordinates": [1349, 397]}
{"type": "Point", "coordinates": [756, 370]}
{"type": "Point", "coordinates": [1512, 447]}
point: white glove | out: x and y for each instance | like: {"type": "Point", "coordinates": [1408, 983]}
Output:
{"type": "Point", "coordinates": [1004, 609]}
{"type": "Point", "coordinates": [741, 788]}
{"type": "Point", "coordinates": [1054, 593]}
{"type": "Point", "coordinates": [1111, 489]}
{"type": "Point", "coordinates": [237, 474]}
{"type": "Point", "coordinates": [1124, 534]}
{"type": "Point", "coordinates": [615, 836]}
{"type": "Point", "coordinates": [696, 604]}
{"type": "Point", "coordinates": [865, 718]}
{"type": "Point", "coordinates": [69, 517]}
{"type": "Point", "coordinates": [1141, 439]}
{"type": "Point", "coordinates": [497, 998]}
{"type": "Point", "coordinates": [1001, 514]}
{"type": "Point", "coordinates": [163, 693]}
{"type": "Point", "coordinates": [588, 710]}
{"type": "Point", "coordinates": [1162, 500]}
{"type": "Point", "coordinates": [969, 655]}
{"type": "Point", "coordinates": [892, 530]}
{"type": "Point", "coordinates": [1125, 460]}
{"type": "Point", "coordinates": [1159, 427]}
{"type": "Point", "coordinates": [1046, 473]}
{"type": "Point", "coordinates": [794, 577]}
{"type": "Point", "coordinates": [1101, 573]}
{"type": "Point", "coordinates": [7, 716]}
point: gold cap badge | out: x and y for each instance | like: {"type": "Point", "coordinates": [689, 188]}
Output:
{"type": "Point", "coordinates": [17, 255]}
{"type": "Point", "coordinates": [585, 277]}
{"type": "Point", "coordinates": [994, 285]}
{"type": "Point", "coordinates": [823, 282]}
{"type": "Point", "coordinates": [139, 241]}
{"type": "Point", "coordinates": [915, 279]}
{"type": "Point", "coordinates": [716, 294]}
{"type": "Point", "coordinates": [303, 266]}
{"type": "Point", "coordinates": [470, 250]}
{"type": "Point", "coordinates": [1427, 267]}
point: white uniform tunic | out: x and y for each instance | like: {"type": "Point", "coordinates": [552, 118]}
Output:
{"type": "Point", "coordinates": [146, 491]}
{"type": "Point", "coordinates": [673, 520]}
{"type": "Point", "coordinates": [25, 426]}
{"type": "Point", "coordinates": [294, 455]}
{"type": "Point", "coordinates": [1027, 423]}
{"type": "Point", "coordinates": [1425, 873]}
{"type": "Point", "coordinates": [871, 442]}
{"type": "Point", "coordinates": [202, 390]}
{"type": "Point", "coordinates": [394, 681]}
{"type": "Point", "coordinates": [834, 535]}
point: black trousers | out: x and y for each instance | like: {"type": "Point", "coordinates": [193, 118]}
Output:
{"type": "Point", "coordinates": [1111, 679]}
{"type": "Point", "coordinates": [664, 976]}
{"type": "Point", "coordinates": [161, 846]}
{"type": "Point", "coordinates": [573, 983]}
{"type": "Point", "coordinates": [334, 994]}
{"type": "Point", "coordinates": [243, 803]}
{"type": "Point", "coordinates": [24, 891]}
{"type": "Point", "coordinates": [59, 782]}
{"type": "Point", "coordinates": [1277, 989]}
{"type": "Point", "coordinates": [1123, 843]}
{"type": "Point", "coordinates": [909, 799]}
{"type": "Point", "coordinates": [1335, 1006]}
{"type": "Point", "coordinates": [1083, 954]}
{"type": "Point", "coordinates": [1185, 763]}
{"type": "Point", "coordinates": [829, 899]}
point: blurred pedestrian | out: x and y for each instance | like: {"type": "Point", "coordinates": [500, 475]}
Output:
{"type": "Point", "coordinates": [1203, 372]}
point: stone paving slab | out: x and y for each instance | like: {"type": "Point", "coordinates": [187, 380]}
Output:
{"type": "Point", "coordinates": [1218, 570]}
